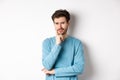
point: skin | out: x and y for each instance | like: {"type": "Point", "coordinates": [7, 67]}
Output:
{"type": "Point", "coordinates": [61, 27]}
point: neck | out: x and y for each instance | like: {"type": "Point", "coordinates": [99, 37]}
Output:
{"type": "Point", "coordinates": [65, 36]}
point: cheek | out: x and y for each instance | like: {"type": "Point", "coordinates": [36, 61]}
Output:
{"type": "Point", "coordinates": [56, 28]}
{"type": "Point", "coordinates": [65, 26]}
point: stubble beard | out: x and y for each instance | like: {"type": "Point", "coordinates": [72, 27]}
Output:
{"type": "Point", "coordinates": [65, 32]}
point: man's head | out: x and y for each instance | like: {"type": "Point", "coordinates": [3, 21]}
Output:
{"type": "Point", "coordinates": [61, 19]}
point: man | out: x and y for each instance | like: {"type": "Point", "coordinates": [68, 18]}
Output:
{"type": "Point", "coordinates": [62, 55]}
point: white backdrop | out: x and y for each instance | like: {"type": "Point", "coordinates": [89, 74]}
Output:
{"type": "Point", "coordinates": [24, 24]}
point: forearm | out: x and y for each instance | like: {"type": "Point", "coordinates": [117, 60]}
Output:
{"type": "Point", "coordinates": [69, 71]}
{"type": "Point", "coordinates": [50, 59]}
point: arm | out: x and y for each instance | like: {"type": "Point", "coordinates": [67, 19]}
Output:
{"type": "Point", "coordinates": [49, 55]}
{"type": "Point", "coordinates": [76, 68]}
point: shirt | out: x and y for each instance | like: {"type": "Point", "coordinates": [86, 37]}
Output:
{"type": "Point", "coordinates": [67, 58]}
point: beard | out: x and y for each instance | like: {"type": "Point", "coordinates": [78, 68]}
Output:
{"type": "Point", "coordinates": [61, 31]}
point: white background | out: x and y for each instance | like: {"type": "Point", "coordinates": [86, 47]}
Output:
{"type": "Point", "coordinates": [24, 24]}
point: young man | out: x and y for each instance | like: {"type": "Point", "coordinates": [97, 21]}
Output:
{"type": "Point", "coordinates": [62, 55]}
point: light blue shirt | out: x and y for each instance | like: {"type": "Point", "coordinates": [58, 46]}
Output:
{"type": "Point", "coordinates": [67, 58]}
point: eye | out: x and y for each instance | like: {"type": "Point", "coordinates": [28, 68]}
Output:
{"type": "Point", "coordinates": [56, 23]}
{"type": "Point", "coordinates": [63, 22]}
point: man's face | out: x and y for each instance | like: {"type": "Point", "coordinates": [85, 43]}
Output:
{"type": "Point", "coordinates": [61, 25]}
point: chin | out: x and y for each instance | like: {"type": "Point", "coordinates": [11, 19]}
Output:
{"type": "Point", "coordinates": [62, 33]}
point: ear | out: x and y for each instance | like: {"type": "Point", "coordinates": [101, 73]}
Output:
{"type": "Point", "coordinates": [68, 22]}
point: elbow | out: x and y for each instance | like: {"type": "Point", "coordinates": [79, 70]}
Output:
{"type": "Point", "coordinates": [80, 69]}
{"type": "Point", "coordinates": [47, 66]}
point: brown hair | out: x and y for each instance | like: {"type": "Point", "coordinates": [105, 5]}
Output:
{"type": "Point", "coordinates": [61, 13]}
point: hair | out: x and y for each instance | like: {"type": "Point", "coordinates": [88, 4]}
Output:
{"type": "Point", "coordinates": [61, 13]}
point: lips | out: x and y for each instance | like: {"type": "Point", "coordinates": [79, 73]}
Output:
{"type": "Point", "coordinates": [61, 29]}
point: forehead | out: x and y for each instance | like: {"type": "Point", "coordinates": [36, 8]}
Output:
{"type": "Point", "coordinates": [60, 19]}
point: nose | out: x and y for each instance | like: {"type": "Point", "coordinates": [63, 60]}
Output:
{"type": "Point", "coordinates": [60, 25]}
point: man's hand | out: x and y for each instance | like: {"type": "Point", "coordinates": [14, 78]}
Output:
{"type": "Point", "coordinates": [59, 39]}
{"type": "Point", "coordinates": [47, 72]}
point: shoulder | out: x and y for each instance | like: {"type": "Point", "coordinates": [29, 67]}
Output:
{"type": "Point", "coordinates": [47, 40]}
{"type": "Point", "coordinates": [78, 45]}
{"type": "Point", "coordinates": [75, 40]}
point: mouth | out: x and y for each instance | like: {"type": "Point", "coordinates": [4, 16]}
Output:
{"type": "Point", "coordinates": [60, 31]}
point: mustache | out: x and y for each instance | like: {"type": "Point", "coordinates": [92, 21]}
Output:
{"type": "Point", "coordinates": [60, 29]}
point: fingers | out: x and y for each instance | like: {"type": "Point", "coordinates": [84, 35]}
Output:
{"type": "Point", "coordinates": [45, 71]}
{"type": "Point", "coordinates": [61, 38]}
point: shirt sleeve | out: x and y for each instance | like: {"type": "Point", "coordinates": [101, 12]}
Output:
{"type": "Point", "coordinates": [49, 55]}
{"type": "Point", "coordinates": [76, 68]}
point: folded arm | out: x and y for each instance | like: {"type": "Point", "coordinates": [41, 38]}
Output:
{"type": "Point", "coordinates": [49, 55]}
{"type": "Point", "coordinates": [76, 68]}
